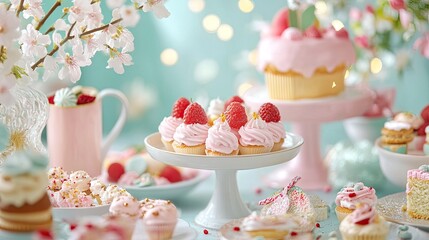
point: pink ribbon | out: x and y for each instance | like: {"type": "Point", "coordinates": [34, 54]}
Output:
{"type": "Point", "coordinates": [281, 194]}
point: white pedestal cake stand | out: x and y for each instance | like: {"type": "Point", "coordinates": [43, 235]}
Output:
{"type": "Point", "coordinates": [306, 117]}
{"type": "Point", "coordinates": [226, 203]}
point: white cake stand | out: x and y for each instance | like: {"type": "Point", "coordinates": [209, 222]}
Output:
{"type": "Point", "coordinates": [306, 117]}
{"type": "Point", "coordinates": [226, 203]}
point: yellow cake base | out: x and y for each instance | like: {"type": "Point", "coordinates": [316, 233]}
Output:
{"type": "Point", "coordinates": [269, 234]}
{"type": "Point", "coordinates": [214, 153]}
{"type": "Point", "coordinates": [342, 212]}
{"type": "Point", "coordinates": [417, 198]}
{"type": "Point", "coordinates": [246, 150]}
{"type": "Point", "coordinates": [182, 148]}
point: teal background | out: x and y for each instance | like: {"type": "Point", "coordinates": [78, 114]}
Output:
{"type": "Point", "coordinates": [184, 32]}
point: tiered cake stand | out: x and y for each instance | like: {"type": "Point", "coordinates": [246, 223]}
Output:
{"type": "Point", "coordinates": [306, 117]}
{"type": "Point", "coordinates": [226, 203]}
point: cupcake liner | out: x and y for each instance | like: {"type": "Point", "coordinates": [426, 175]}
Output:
{"type": "Point", "coordinates": [278, 145]}
{"type": "Point", "coordinates": [160, 231]}
{"type": "Point", "coordinates": [372, 236]}
{"type": "Point", "coordinates": [196, 150]}
{"type": "Point", "coordinates": [246, 150]}
{"type": "Point", "coordinates": [341, 214]}
{"type": "Point", "coordinates": [269, 234]}
{"type": "Point", "coordinates": [168, 145]}
{"type": "Point", "coordinates": [214, 153]}
{"type": "Point", "coordinates": [291, 86]}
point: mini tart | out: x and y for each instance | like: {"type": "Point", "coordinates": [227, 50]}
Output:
{"type": "Point", "coordinates": [397, 137]}
{"type": "Point", "coordinates": [196, 150]}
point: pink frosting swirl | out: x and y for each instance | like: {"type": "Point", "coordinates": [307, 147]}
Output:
{"type": "Point", "coordinates": [277, 129]}
{"type": "Point", "coordinates": [191, 134]}
{"type": "Point", "coordinates": [168, 127]}
{"type": "Point", "coordinates": [350, 196]}
{"type": "Point", "coordinates": [363, 215]}
{"type": "Point", "coordinates": [421, 173]}
{"type": "Point", "coordinates": [256, 133]}
{"type": "Point", "coordinates": [220, 138]}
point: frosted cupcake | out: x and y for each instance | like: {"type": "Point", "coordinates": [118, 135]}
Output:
{"type": "Point", "coordinates": [270, 227]}
{"type": "Point", "coordinates": [271, 115]}
{"type": "Point", "coordinates": [216, 108]}
{"type": "Point", "coordinates": [169, 124]}
{"type": "Point", "coordinates": [191, 135]}
{"type": "Point", "coordinates": [255, 138]}
{"type": "Point", "coordinates": [364, 224]}
{"type": "Point", "coordinates": [221, 141]}
{"type": "Point", "coordinates": [127, 208]}
{"type": "Point", "coordinates": [350, 196]}
{"type": "Point", "coordinates": [396, 136]}
{"type": "Point", "coordinates": [159, 218]}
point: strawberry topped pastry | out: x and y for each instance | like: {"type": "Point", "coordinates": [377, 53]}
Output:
{"type": "Point", "coordinates": [300, 58]}
{"type": "Point", "coordinates": [231, 100]}
{"type": "Point", "coordinates": [350, 196]}
{"type": "Point", "coordinates": [236, 117]}
{"type": "Point", "coordinates": [71, 97]}
{"type": "Point", "coordinates": [169, 124]}
{"type": "Point", "coordinates": [255, 138]}
{"type": "Point", "coordinates": [271, 115]}
{"type": "Point", "coordinates": [364, 223]}
{"type": "Point", "coordinates": [221, 141]}
{"type": "Point", "coordinates": [190, 136]}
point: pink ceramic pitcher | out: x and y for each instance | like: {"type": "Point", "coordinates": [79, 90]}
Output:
{"type": "Point", "coordinates": [75, 138]}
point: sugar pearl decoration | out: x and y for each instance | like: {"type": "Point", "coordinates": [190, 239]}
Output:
{"type": "Point", "coordinates": [293, 34]}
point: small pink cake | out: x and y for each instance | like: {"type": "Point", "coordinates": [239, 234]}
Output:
{"type": "Point", "coordinates": [255, 138]}
{"type": "Point", "coordinates": [159, 218]}
{"type": "Point", "coordinates": [190, 136]}
{"type": "Point", "coordinates": [350, 196]}
{"type": "Point", "coordinates": [271, 115]}
{"type": "Point", "coordinates": [127, 208]}
{"type": "Point", "coordinates": [221, 141]}
{"type": "Point", "coordinates": [271, 226]}
{"type": "Point", "coordinates": [169, 124]}
{"type": "Point", "coordinates": [417, 188]}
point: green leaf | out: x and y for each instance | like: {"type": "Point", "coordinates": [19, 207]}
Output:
{"type": "Point", "coordinates": [293, 18]}
{"type": "Point", "coordinates": [308, 17]}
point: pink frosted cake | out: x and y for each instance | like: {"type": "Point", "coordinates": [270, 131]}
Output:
{"type": "Point", "coordinates": [417, 192]}
{"type": "Point", "coordinates": [221, 141]}
{"type": "Point", "coordinates": [159, 218]}
{"type": "Point", "coordinates": [255, 137]}
{"type": "Point", "coordinates": [350, 196]}
{"type": "Point", "coordinates": [303, 61]}
{"type": "Point", "coordinates": [191, 135]}
{"type": "Point", "coordinates": [271, 115]}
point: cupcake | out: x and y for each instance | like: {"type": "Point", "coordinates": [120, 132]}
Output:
{"type": "Point", "coordinates": [396, 136]}
{"type": "Point", "coordinates": [24, 205]}
{"type": "Point", "coordinates": [127, 208]}
{"type": "Point", "coordinates": [415, 122]}
{"type": "Point", "coordinates": [255, 138]}
{"type": "Point", "coordinates": [271, 115]}
{"type": "Point", "coordinates": [191, 135]}
{"type": "Point", "coordinates": [350, 196]}
{"type": "Point", "coordinates": [221, 141]}
{"type": "Point", "coordinates": [236, 117]}
{"type": "Point", "coordinates": [216, 108]}
{"type": "Point", "coordinates": [301, 60]}
{"type": "Point", "coordinates": [364, 224]}
{"type": "Point", "coordinates": [269, 227]}
{"type": "Point", "coordinates": [169, 124]}
{"type": "Point", "coordinates": [159, 218]}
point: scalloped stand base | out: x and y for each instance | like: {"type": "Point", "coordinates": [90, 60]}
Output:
{"type": "Point", "coordinates": [226, 203]}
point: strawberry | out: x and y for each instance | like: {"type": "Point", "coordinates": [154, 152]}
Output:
{"type": "Point", "coordinates": [171, 174]}
{"type": "Point", "coordinates": [236, 115]}
{"type": "Point", "coordinates": [179, 107]}
{"type": "Point", "coordinates": [342, 33]}
{"type": "Point", "coordinates": [313, 32]}
{"type": "Point", "coordinates": [425, 113]}
{"type": "Point", "coordinates": [115, 171]}
{"type": "Point", "coordinates": [194, 113]}
{"type": "Point", "coordinates": [280, 22]}
{"type": "Point", "coordinates": [363, 222]}
{"type": "Point", "coordinates": [51, 99]}
{"type": "Point", "coordinates": [231, 100]}
{"type": "Point", "coordinates": [269, 112]}
{"type": "Point", "coordinates": [84, 99]}
{"type": "Point", "coordinates": [422, 129]}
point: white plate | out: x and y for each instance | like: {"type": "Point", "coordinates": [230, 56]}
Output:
{"type": "Point", "coordinates": [390, 207]}
{"type": "Point", "coordinates": [227, 232]}
{"type": "Point", "coordinates": [73, 213]}
{"type": "Point", "coordinates": [182, 231]}
{"type": "Point", "coordinates": [170, 191]}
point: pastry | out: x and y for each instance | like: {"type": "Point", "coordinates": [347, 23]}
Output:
{"type": "Point", "coordinates": [255, 138]}
{"type": "Point", "coordinates": [396, 136]}
{"type": "Point", "coordinates": [417, 197]}
{"type": "Point", "coordinates": [216, 108]}
{"type": "Point", "coordinates": [159, 218]}
{"type": "Point", "coordinates": [221, 141]}
{"type": "Point", "coordinates": [350, 196]}
{"type": "Point", "coordinates": [271, 115]}
{"type": "Point", "coordinates": [236, 117]}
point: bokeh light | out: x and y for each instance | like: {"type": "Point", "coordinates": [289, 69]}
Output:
{"type": "Point", "coordinates": [225, 32]}
{"type": "Point", "coordinates": [321, 7]}
{"type": "Point", "coordinates": [337, 24]}
{"type": "Point", "coordinates": [242, 89]}
{"type": "Point", "coordinates": [246, 6]}
{"type": "Point", "coordinates": [196, 5]}
{"type": "Point", "coordinates": [253, 57]}
{"type": "Point", "coordinates": [376, 65]}
{"type": "Point", "coordinates": [206, 70]}
{"type": "Point", "coordinates": [211, 23]}
{"type": "Point", "coordinates": [169, 57]}
{"type": "Point", "coordinates": [347, 74]}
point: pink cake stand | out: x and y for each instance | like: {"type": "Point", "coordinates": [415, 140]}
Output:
{"type": "Point", "coordinates": [226, 203]}
{"type": "Point", "coordinates": [306, 117]}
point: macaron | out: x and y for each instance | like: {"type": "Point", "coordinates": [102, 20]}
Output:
{"type": "Point", "coordinates": [136, 164]}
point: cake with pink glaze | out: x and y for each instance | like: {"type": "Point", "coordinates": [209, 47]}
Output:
{"type": "Point", "coordinates": [271, 115]}
{"type": "Point", "coordinates": [363, 224]}
{"type": "Point", "coordinates": [168, 126]}
{"type": "Point", "coordinates": [417, 192]}
{"type": "Point", "coordinates": [255, 138]}
{"type": "Point", "coordinates": [190, 136]}
{"type": "Point", "coordinates": [301, 59]}
{"type": "Point", "coordinates": [159, 218]}
{"type": "Point", "coordinates": [220, 140]}
{"type": "Point", "coordinates": [349, 197]}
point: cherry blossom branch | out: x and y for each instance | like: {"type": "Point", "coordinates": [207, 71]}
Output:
{"type": "Point", "coordinates": [55, 6]}
{"type": "Point", "coordinates": [20, 8]}
{"type": "Point", "coordinates": [100, 28]}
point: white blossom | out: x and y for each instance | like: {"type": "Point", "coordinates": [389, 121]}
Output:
{"type": "Point", "coordinates": [122, 38]}
{"type": "Point", "coordinates": [6, 83]}
{"type": "Point", "coordinates": [130, 16]}
{"type": "Point", "coordinates": [72, 64]}
{"type": "Point", "coordinates": [33, 43]}
{"type": "Point", "coordinates": [33, 8]}
{"type": "Point", "coordinates": [118, 60]}
{"type": "Point", "coordinates": [50, 68]}
{"type": "Point", "coordinates": [157, 7]}
{"type": "Point", "coordinates": [112, 4]}
{"type": "Point", "coordinates": [79, 11]}
{"type": "Point", "coordinates": [9, 27]}
{"type": "Point", "coordinates": [95, 17]}
{"type": "Point", "coordinates": [61, 25]}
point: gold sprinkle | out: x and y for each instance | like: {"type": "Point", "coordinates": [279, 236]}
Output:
{"type": "Point", "coordinates": [7, 178]}
{"type": "Point", "coordinates": [1, 29]}
{"type": "Point", "coordinates": [168, 202]}
{"type": "Point", "coordinates": [146, 199]}
{"type": "Point", "coordinates": [150, 206]}
{"type": "Point", "coordinates": [155, 213]}
{"type": "Point", "coordinates": [125, 204]}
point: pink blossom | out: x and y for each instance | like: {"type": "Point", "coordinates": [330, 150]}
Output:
{"type": "Point", "coordinates": [397, 4]}
{"type": "Point", "coordinates": [370, 9]}
{"type": "Point", "coordinates": [355, 14]}
{"type": "Point", "coordinates": [405, 17]}
{"type": "Point", "coordinates": [362, 41]}
{"type": "Point", "coordinates": [422, 45]}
